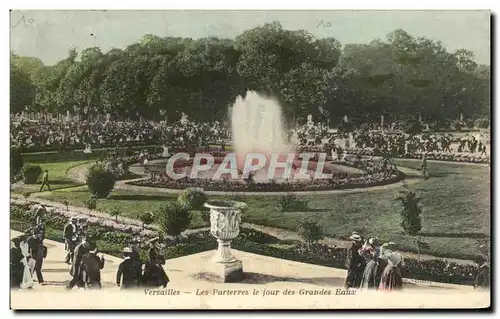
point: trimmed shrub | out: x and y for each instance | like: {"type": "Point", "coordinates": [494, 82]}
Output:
{"type": "Point", "coordinates": [30, 173]}
{"type": "Point", "coordinates": [458, 125]}
{"type": "Point", "coordinates": [173, 219]}
{"type": "Point", "coordinates": [100, 181]}
{"type": "Point", "coordinates": [310, 232]}
{"type": "Point", "coordinates": [290, 202]}
{"type": "Point", "coordinates": [413, 127]}
{"type": "Point", "coordinates": [205, 216]}
{"type": "Point", "coordinates": [115, 212]}
{"type": "Point", "coordinates": [192, 199]}
{"type": "Point", "coordinates": [91, 202]}
{"type": "Point", "coordinates": [16, 160]}
{"type": "Point", "coordinates": [146, 218]}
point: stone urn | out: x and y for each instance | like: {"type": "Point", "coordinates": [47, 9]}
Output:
{"type": "Point", "coordinates": [225, 218]}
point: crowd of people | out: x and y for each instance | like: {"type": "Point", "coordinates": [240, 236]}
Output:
{"type": "Point", "coordinates": [57, 134]}
{"type": "Point", "coordinates": [60, 134]}
{"type": "Point", "coordinates": [28, 253]}
{"type": "Point", "coordinates": [82, 254]}
{"type": "Point", "coordinates": [371, 266]}
{"type": "Point", "coordinates": [400, 143]}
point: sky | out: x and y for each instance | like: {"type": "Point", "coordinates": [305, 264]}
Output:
{"type": "Point", "coordinates": [49, 34]}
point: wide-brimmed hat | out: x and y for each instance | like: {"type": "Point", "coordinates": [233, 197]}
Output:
{"type": "Point", "coordinates": [356, 237]}
{"type": "Point", "coordinates": [373, 241]}
{"type": "Point", "coordinates": [390, 245]}
{"type": "Point", "coordinates": [127, 250]}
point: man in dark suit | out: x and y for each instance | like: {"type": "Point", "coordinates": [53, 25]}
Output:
{"type": "Point", "coordinates": [134, 246]}
{"type": "Point", "coordinates": [16, 265]}
{"type": "Point", "coordinates": [482, 278]}
{"type": "Point", "coordinates": [91, 268]}
{"type": "Point", "coordinates": [129, 271]}
{"type": "Point", "coordinates": [354, 262]}
{"type": "Point", "coordinates": [36, 250]}
{"type": "Point", "coordinates": [69, 234]}
{"type": "Point", "coordinates": [80, 250]}
{"type": "Point", "coordinates": [40, 227]}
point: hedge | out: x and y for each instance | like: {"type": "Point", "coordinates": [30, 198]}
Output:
{"type": "Point", "coordinates": [63, 156]}
{"type": "Point", "coordinates": [30, 173]}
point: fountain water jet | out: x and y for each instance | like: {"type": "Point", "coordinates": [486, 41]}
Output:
{"type": "Point", "coordinates": [258, 127]}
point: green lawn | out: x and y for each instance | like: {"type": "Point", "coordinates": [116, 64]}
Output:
{"type": "Point", "coordinates": [131, 203]}
{"type": "Point", "coordinates": [57, 177]}
{"type": "Point", "coordinates": [456, 201]}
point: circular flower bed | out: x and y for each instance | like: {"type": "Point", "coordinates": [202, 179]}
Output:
{"type": "Point", "coordinates": [375, 175]}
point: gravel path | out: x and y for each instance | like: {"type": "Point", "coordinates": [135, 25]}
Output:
{"type": "Point", "coordinates": [78, 173]}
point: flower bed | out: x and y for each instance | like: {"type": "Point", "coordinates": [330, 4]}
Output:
{"type": "Point", "coordinates": [376, 175]}
{"type": "Point", "coordinates": [432, 270]}
{"type": "Point", "coordinates": [369, 180]}
{"type": "Point", "coordinates": [57, 218]}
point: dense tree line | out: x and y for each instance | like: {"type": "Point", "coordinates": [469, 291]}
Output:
{"type": "Point", "coordinates": [156, 77]}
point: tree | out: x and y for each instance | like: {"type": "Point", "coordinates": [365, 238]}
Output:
{"type": "Point", "coordinates": [22, 90]}
{"type": "Point", "coordinates": [100, 181]}
{"type": "Point", "coordinates": [115, 212]}
{"type": "Point", "coordinates": [310, 232]}
{"type": "Point", "coordinates": [400, 77]}
{"type": "Point", "coordinates": [30, 173]}
{"type": "Point", "coordinates": [192, 198]}
{"type": "Point", "coordinates": [173, 219]}
{"type": "Point", "coordinates": [413, 127]}
{"type": "Point", "coordinates": [146, 218]}
{"type": "Point", "coordinates": [16, 161]}
{"type": "Point", "coordinates": [411, 214]}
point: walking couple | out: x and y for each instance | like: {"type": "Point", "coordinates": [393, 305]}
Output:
{"type": "Point", "coordinates": [27, 257]}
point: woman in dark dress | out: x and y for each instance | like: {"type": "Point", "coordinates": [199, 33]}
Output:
{"type": "Point", "coordinates": [391, 276]}
{"type": "Point", "coordinates": [16, 264]}
{"type": "Point", "coordinates": [154, 274]}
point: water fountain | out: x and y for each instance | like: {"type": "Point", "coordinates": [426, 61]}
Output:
{"type": "Point", "coordinates": [258, 127]}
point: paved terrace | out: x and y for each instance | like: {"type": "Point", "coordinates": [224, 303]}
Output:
{"type": "Point", "coordinates": [313, 287]}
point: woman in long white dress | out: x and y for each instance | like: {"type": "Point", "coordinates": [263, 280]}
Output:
{"type": "Point", "coordinates": [28, 269]}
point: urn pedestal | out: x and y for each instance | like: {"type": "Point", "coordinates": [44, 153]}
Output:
{"type": "Point", "coordinates": [225, 218]}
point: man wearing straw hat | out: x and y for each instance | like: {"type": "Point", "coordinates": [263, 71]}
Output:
{"type": "Point", "coordinates": [354, 262]}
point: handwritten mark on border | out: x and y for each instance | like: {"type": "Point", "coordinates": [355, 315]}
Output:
{"type": "Point", "coordinates": [26, 22]}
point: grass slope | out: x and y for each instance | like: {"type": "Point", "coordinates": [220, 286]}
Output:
{"type": "Point", "coordinates": [57, 177]}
